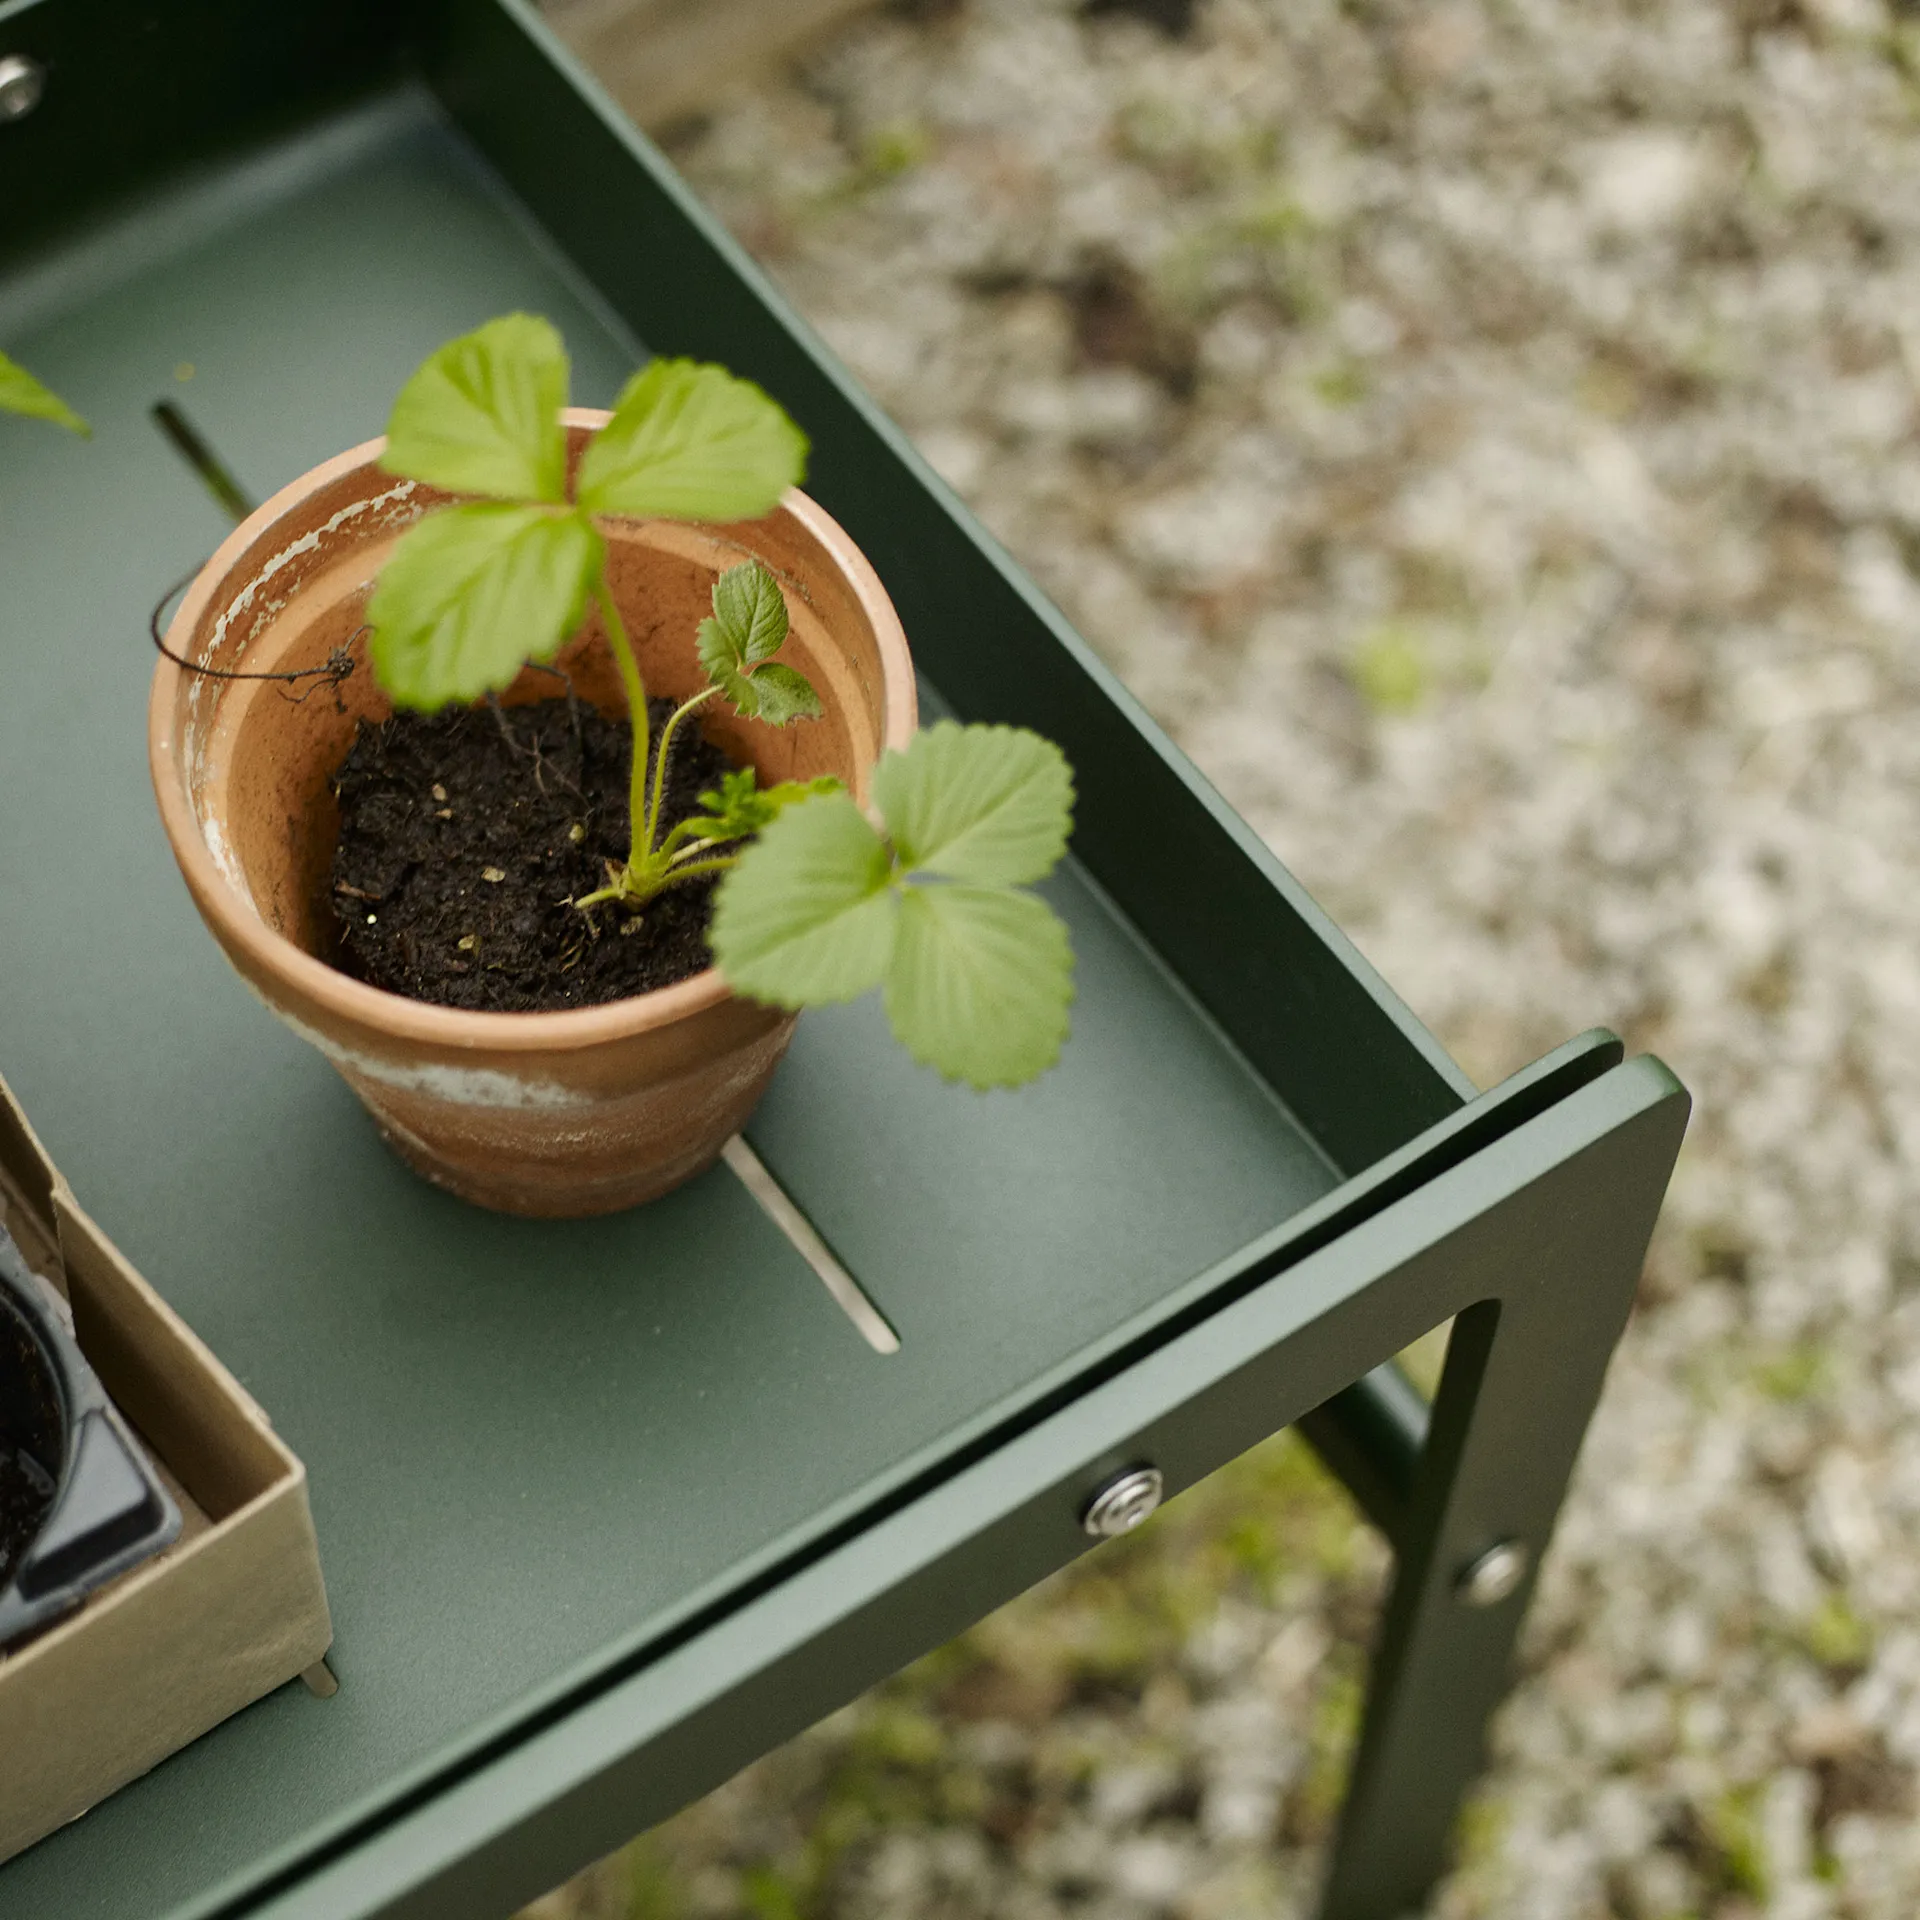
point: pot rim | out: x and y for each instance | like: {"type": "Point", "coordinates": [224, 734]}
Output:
{"type": "Point", "coordinates": [456, 1028]}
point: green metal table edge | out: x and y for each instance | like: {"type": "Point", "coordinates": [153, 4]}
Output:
{"type": "Point", "coordinates": [1588, 1165]}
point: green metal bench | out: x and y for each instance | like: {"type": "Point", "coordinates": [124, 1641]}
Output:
{"type": "Point", "coordinates": [608, 1508]}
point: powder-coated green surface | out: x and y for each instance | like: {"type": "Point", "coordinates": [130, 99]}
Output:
{"type": "Point", "coordinates": [528, 1442]}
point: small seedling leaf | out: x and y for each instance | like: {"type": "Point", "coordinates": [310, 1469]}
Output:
{"type": "Point", "coordinates": [980, 982]}
{"type": "Point", "coordinates": [482, 415]}
{"type": "Point", "coordinates": [784, 695]}
{"type": "Point", "coordinates": [21, 393]}
{"type": "Point", "coordinates": [808, 915]}
{"type": "Point", "coordinates": [735, 808]}
{"type": "Point", "coordinates": [741, 806]}
{"type": "Point", "coordinates": [736, 646]}
{"type": "Point", "coordinates": [472, 593]}
{"type": "Point", "coordinates": [690, 441]}
{"type": "Point", "coordinates": [751, 612]}
{"type": "Point", "coordinates": [990, 805]}
{"type": "Point", "coordinates": [738, 689]}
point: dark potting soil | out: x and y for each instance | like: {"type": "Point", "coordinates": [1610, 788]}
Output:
{"type": "Point", "coordinates": [466, 834]}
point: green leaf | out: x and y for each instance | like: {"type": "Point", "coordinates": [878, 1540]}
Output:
{"type": "Point", "coordinates": [21, 393]}
{"type": "Point", "coordinates": [751, 612]}
{"type": "Point", "coordinates": [748, 626]}
{"type": "Point", "coordinates": [735, 809]}
{"type": "Point", "coordinates": [736, 686]}
{"type": "Point", "coordinates": [472, 593]}
{"type": "Point", "coordinates": [784, 695]}
{"type": "Point", "coordinates": [991, 805]}
{"type": "Point", "coordinates": [808, 915]}
{"type": "Point", "coordinates": [788, 793]}
{"type": "Point", "coordinates": [742, 807]}
{"type": "Point", "coordinates": [748, 623]}
{"type": "Point", "coordinates": [482, 415]}
{"type": "Point", "coordinates": [688, 441]}
{"type": "Point", "coordinates": [980, 982]}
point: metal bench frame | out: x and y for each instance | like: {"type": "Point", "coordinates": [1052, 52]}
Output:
{"type": "Point", "coordinates": [1521, 1214]}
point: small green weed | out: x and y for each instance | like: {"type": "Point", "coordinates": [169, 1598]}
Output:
{"type": "Point", "coordinates": [1389, 669]}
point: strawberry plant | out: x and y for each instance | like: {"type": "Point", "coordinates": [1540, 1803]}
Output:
{"type": "Point", "coordinates": [927, 899]}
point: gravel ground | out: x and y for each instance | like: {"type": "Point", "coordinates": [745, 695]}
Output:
{"type": "Point", "coordinates": [1485, 434]}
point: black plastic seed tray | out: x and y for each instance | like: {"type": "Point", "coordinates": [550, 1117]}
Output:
{"type": "Point", "coordinates": [85, 1503]}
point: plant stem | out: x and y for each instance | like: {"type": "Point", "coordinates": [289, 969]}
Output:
{"type": "Point", "coordinates": [671, 848]}
{"type": "Point", "coordinates": [719, 865]}
{"type": "Point", "coordinates": [660, 760]}
{"type": "Point", "coordinates": [671, 851]}
{"type": "Point", "coordinates": [637, 891]}
{"type": "Point", "coordinates": [636, 689]}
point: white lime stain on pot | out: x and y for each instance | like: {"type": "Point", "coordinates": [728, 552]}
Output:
{"type": "Point", "coordinates": [457, 1086]}
{"type": "Point", "coordinates": [204, 690]}
{"type": "Point", "coordinates": [226, 860]}
{"type": "Point", "coordinates": [307, 543]}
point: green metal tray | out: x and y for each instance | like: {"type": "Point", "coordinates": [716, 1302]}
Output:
{"type": "Point", "coordinates": [607, 1507]}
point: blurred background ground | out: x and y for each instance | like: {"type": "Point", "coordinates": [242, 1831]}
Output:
{"type": "Point", "coordinates": [1484, 432]}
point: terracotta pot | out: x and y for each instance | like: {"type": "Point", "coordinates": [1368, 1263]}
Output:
{"type": "Point", "coordinates": [575, 1112]}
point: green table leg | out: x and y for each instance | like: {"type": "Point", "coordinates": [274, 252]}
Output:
{"type": "Point", "coordinates": [1524, 1371]}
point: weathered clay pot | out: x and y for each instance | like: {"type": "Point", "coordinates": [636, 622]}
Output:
{"type": "Point", "coordinates": [575, 1112]}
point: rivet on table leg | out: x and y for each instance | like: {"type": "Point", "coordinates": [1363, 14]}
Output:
{"type": "Point", "coordinates": [1126, 1500]}
{"type": "Point", "coordinates": [1494, 1576]}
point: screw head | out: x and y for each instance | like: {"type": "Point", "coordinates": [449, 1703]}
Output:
{"type": "Point", "coordinates": [1123, 1502]}
{"type": "Point", "coordinates": [1495, 1575]}
{"type": "Point", "coordinates": [22, 82]}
